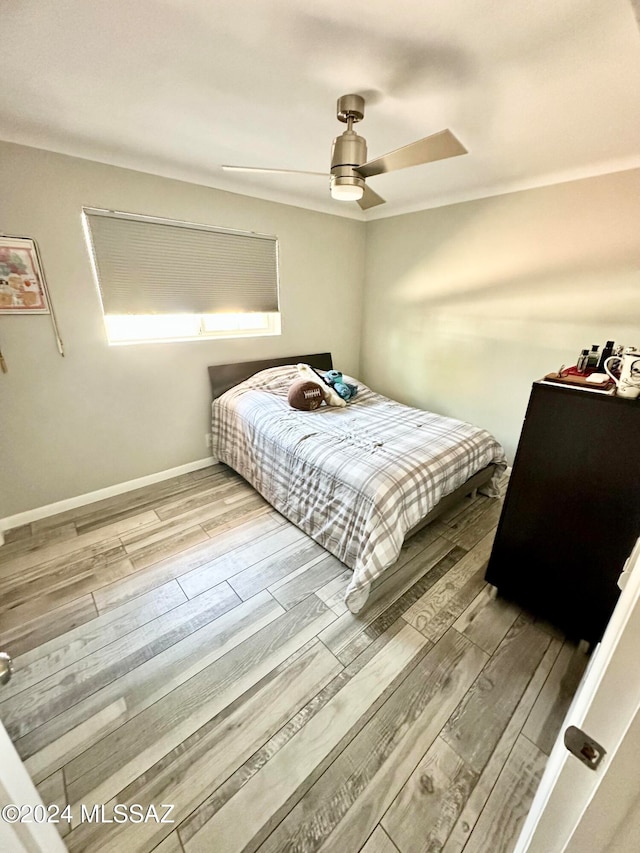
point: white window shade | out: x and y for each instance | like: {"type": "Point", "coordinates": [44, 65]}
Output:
{"type": "Point", "coordinates": [155, 266]}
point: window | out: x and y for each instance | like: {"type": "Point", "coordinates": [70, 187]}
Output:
{"type": "Point", "coordinates": [165, 280]}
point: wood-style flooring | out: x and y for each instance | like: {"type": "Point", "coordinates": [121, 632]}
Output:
{"type": "Point", "coordinates": [184, 644]}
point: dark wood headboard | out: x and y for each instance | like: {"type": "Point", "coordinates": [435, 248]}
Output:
{"type": "Point", "coordinates": [225, 376]}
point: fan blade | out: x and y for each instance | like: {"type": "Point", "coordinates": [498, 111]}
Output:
{"type": "Point", "coordinates": [370, 199]}
{"type": "Point", "coordinates": [272, 171]}
{"type": "Point", "coordinates": [438, 146]}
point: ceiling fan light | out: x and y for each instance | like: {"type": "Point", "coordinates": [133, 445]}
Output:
{"type": "Point", "coordinates": [346, 192]}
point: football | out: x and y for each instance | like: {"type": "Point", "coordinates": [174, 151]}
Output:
{"type": "Point", "coordinates": [305, 395]}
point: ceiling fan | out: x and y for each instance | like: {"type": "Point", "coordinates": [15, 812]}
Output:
{"type": "Point", "coordinates": [349, 166]}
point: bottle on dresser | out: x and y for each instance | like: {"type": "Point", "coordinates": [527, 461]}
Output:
{"type": "Point", "coordinates": [583, 361]}
{"type": "Point", "coordinates": [594, 357]}
{"type": "Point", "coordinates": [607, 352]}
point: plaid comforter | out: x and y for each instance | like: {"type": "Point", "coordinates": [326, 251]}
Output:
{"type": "Point", "coordinates": [355, 479]}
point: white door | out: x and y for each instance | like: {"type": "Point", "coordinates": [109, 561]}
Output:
{"type": "Point", "coordinates": [30, 833]}
{"type": "Point", "coordinates": [578, 808]}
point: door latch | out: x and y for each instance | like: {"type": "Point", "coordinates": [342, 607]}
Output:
{"type": "Point", "coordinates": [585, 748]}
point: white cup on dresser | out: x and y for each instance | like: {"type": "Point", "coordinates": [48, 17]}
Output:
{"type": "Point", "coordinates": [628, 383]}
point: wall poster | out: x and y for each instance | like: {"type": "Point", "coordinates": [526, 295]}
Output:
{"type": "Point", "coordinates": [22, 286]}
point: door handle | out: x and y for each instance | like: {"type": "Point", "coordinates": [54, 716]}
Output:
{"type": "Point", "coordinates": [6, 668]}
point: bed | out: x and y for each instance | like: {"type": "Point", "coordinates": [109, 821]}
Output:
{"type": "Point", "coordinates": [358, 480]}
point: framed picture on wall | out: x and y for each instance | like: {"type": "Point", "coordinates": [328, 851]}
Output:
{"type": "Point", "coordinates": [22, 286]}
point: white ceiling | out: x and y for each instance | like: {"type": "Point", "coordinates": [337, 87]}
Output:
{"type": "Point", "coordinates": [539, 92]}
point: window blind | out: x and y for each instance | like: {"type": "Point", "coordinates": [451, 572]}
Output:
{"type": "Point", "coordinates": [155, 266]}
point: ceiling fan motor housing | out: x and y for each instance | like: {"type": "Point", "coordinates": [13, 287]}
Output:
{"type": "Point", "coordinates": [349, 151]}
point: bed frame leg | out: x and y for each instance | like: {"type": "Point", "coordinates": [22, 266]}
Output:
{"type": "Point", "coordinates": [474, 494]}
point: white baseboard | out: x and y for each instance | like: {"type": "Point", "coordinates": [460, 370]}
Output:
{"type": "Point", "coordinates": [91, 497]}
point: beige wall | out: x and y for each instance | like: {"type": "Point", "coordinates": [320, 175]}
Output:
{"type": "Point", "coordinates": [467, 305]}
{"type": "Point", "coordinates": [104, 415]}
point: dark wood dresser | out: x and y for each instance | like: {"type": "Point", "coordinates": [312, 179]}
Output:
{"type": "Point", "coordinates": [571, 514]}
